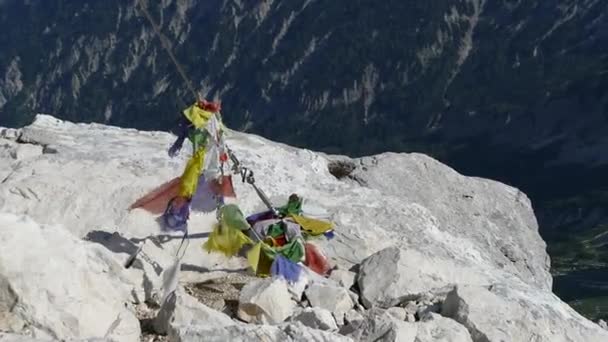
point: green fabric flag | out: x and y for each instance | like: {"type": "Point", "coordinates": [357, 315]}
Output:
{"type": "Point", "coordinates": [233, 217]}
{"type": "Point", "coordinates": [293, 207]}
{"type": "Point", "coordinates": [293, 251]}
{"type": "Point", "coordinates": [198, 137]}
{"type": "Point", "coordinates": [276, 229]}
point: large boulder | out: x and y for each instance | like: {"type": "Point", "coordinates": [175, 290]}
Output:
{"type": "Point", "coordinates": [335, 299]}
{"type": "Point", "coordinates": [265, 301]}
{"type": "Point", "coordinates": [393, 275]}
{"type": "Point", "coordinates": [473, 220]}
{"type": "Point", "coordinates": [181, 309]}
{"type": "Point", "coordinates": [144, 263]}
{"type": "Point", "coordinates": [53, 285]}
{"type": "Point", "coordinates": [504, 312]}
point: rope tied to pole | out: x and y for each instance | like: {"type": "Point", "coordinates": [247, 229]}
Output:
{"type": "Point", "coordinates": [167, 46]}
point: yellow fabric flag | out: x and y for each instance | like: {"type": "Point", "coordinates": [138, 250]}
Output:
{"type": "Point", "coordinates": [312, 226]}
{"type": "Point", "coordinates": [197, 116]}
{"type": "Point", "coordinates": [189, 179]}
{"type": "Point", "coordinates": [226, 240]}
{"type": "Point", "coordinates": [259, 261]}
{"type": "Point", "coordinates": [264, 265]}
{"type": "Point", "coordinates": [253, 256]}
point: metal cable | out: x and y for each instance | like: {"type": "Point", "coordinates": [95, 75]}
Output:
{"type": "Point", "coordinates": [167, 46]}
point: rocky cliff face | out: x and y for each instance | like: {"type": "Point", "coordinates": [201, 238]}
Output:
{"type": "Point", "coordinates": [427, 245]}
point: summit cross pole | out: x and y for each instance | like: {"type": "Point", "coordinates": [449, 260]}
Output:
{"type": "Point", "coordinates": [245, 173]}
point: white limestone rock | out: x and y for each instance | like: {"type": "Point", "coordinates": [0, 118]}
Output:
{"type": "Point", "coordinates": [181, 309]}
{"type": "Point", "coordinates": [335, 299]}
{"type": "Point", "coordinates": [316, 318]}
{"type": "Point", "coordinates": [265, 301]}
{"type": "Point", "coordinates": [470, 220]}
{"type": "Point", "coordinates": [507, 312]}
{"type": "Point", "coordinates": [393, 276]}
{"type": "Point", "coordinates": [145, 270]}
{"type": "Point", "coordinates": [53, 285]}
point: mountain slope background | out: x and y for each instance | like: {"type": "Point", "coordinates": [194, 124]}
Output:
{"type": "Point", "coordinates": [511, 90]}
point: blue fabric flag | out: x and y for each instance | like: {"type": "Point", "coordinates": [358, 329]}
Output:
{"type": "Point", "coordinates": [283, 267]}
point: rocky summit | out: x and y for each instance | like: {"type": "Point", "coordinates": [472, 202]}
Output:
{"type": "Point", "coordinates": [420, 253]}
{"type": "Point", "coordinates": [508, 90]}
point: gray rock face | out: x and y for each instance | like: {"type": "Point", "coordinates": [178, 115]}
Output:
{"type": "Point", "coordinates": [265, 301]}
{"type": "Point", "coordinates": [181, 309]}
{"type": "Point", "coordinates": [317, 318]}
{"type": "Point", "coordinates": [245, 333]}
{"type": "Point", "coordinates": [472, 214]}
{"type": "Point", "coordinates": [393, 275]}
{"type": "Point", "coordinates": [53, 285]}
{"type": "Point", "coordinates": [510, 313]}
{"type": "Point", "coordinates": [335, 299]}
